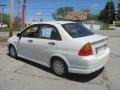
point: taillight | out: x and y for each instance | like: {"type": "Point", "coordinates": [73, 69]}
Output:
{"type": "Point", "coordinates": [86, 50]}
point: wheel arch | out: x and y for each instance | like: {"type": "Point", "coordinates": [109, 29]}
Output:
{"type": "Point", "coordinates": [11, 44]}
{"type": "Point", "coordinates": [60, 57]}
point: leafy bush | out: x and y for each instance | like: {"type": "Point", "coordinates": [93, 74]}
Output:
{"type": "Point", "coordinates": [7, 29]}
{"type": "Point", "coordinates": [104, 26]}
{"type": "Point", "coordinates": [118, 25]}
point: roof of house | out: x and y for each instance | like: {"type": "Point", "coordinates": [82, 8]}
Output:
{"type": "Point", "coordinates": [76, 16]}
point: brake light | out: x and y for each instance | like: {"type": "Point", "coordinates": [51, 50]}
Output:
{"type": "Point", "coordinates": [86, 50]}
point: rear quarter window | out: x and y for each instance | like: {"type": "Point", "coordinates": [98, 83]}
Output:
{"type": "Point", "coordinates": [76, 30]}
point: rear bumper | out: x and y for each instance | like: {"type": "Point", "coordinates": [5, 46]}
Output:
{"type": "Point", "coordinates": [90, 64]}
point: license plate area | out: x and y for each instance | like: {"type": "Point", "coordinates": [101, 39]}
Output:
{"type": "Point", "coordinates": [100, 49]}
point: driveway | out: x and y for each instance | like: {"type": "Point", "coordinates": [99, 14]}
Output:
{"type": "Point", "coordinates": [21, 74]}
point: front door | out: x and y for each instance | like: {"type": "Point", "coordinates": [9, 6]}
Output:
{"type": "Point", "coordinates": [26, 42]}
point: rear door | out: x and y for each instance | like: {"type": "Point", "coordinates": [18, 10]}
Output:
{"type": "Point", "coordinates": [48, 36]}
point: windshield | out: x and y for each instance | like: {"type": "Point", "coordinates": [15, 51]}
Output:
{"type": "Point", "coordinates": [76, 30]}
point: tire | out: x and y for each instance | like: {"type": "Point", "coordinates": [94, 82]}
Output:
{"type": "Point", "coordinates": [12, 52]}
{"type": "Point", "coordinates": [59, 67]}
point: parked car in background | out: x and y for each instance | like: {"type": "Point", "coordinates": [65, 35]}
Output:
{"type": "Point", "coordinates": [62, 46]}
{"type": "Point", "coordinates": [3, 25]}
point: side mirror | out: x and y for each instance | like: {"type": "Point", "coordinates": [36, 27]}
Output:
{"type": "Point", "coordinates": [19, 35]}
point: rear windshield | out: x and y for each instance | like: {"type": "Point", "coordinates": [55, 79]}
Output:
{"type": "Point", "coordinates": [76, 30]}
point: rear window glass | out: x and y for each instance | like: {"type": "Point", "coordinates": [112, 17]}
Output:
{"type": "Point", "coordinates": [76, 30]}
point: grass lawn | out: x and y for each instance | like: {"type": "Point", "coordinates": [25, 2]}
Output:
{"type": "Point", "coordinates": [7, 29]}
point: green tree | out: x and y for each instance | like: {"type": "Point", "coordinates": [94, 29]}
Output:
{"type": "Point", "coordinates": [61, 12]}
{"type": "Point", "coordinates": [94, 16]}
{"type": "Point", "coordinates": [5, 18]}
{"type": "Point", "coordinates": [17, 26]}
{"type": "Point", "coordinates": [118, 12]}
{"type": "Point", "coordinates": [16, 22]}
{"type": "Point", "coordinates": [108, 13]}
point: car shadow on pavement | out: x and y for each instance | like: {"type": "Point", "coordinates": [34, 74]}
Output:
{"type": "Point", "coordinates": [84, 77]}
{"type": "Point", "coordinates": [73, 77]}
{"type": "Point", "coordinates": [34, 64]}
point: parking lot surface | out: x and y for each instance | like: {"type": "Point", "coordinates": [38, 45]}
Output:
{"type": "Point", "coordinates": [22, 74]}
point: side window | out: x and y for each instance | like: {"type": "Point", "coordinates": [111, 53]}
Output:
{"type": "Point", "coordinates": [30, 31]}
{"type": "Point", "coordinates": [48, 32]}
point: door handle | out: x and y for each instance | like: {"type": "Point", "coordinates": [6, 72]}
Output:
{"type": "Point", "coordinates": [30, 41]}
{"type": "Point", "coordinates": [51, 43]}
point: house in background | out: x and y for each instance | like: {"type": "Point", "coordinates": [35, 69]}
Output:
{"type": "Point", "coordinates": [76, 16]}
{"type": "Point", "coordinates": [82, 17]}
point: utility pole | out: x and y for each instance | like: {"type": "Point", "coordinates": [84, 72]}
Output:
{"type": "Point", "coordinates": [23, 14]}
{"type": "Point", "coordinates": [2, 11]}
{"type": "Point", "coordinates": [19, 2]}
{"type": "Point", "coordinates": [11, 17]}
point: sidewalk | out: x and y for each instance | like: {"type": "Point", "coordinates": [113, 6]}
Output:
{"type": "Point", "coordinates": [2, 39]}
{"type": "Point", "coordinates": [6, 34]}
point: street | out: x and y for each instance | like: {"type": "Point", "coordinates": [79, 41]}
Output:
{"type": "Point", "coordinates": [22, 74]}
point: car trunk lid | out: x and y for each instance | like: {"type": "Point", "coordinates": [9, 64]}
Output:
{"type": "Point", "coordinates": [98, 42]}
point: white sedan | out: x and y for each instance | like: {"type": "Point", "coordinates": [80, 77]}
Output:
{"type": "Point", "coordinates": [62, 46]}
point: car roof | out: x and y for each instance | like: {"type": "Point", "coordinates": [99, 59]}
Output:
{"type": "Point", "coordinates": [54, 22]}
